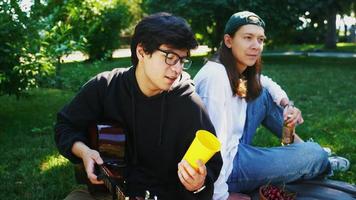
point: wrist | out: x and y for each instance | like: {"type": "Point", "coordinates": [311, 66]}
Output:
{"type": "Point", "coordinates": [288, 104]}
{"type": "Point", "coordinates": [283, 102]}
{"type": "Point", "coordinates": [199, 190]}
{"type": "Point", "coordinates": [80, 149]}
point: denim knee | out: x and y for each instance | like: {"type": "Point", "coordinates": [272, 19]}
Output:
{"type": "Point", "coordinates": [313, 152]}
{"type": "Point", "coordinates": [262, 110]}
{"type": "Point", "coordinates": [314, 156]}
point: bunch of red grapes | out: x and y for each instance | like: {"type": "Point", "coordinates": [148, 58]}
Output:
{"type": "Point", "coordinates": [271, 192]}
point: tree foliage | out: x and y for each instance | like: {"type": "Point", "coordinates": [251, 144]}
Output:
{"type": "Point", "coordinates": [283, 24]}
{"type": "Point", "coordinates": [33, 41]}
{"type": "Point", "coordinates": [208, 17]}
{"type": "Point", "coordinates": [21, 63]}
{"type": "Point", "coordinates": [96, 24]}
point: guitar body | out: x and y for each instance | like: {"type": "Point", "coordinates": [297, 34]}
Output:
{"type": "Point", "coordinates": [109, 140]}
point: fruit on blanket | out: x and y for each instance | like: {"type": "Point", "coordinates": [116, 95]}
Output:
{"type": "Point", "coordinates": [272, 192]}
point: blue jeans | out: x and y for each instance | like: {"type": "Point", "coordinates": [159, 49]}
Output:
{"type": "Point", "coordinates": [256, 166]}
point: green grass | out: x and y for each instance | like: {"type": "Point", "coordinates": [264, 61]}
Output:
{"type": "Point", "coordinates": [76, 74]}
{"type": "Point", "coordinates": [324, 89]}
{"type": "Point", "coordinates": [31, 168]}
{"type": "Point", "coordinates": [340, 47]}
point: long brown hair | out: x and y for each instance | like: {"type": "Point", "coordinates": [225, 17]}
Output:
{"type": "Point", "coordinates": [252, 73]}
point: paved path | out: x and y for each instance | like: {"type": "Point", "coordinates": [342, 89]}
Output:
{"type": "Point", "coordinates": [316, 54]}
{"type": "Point", "coordinates": [202, 50]}
{"type": "Point", "coordinates": [119, 53]}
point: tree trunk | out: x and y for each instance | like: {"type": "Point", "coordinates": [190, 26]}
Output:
{"type": "Point", "coordinates": [219, 32]}
{"type": "Point", "coordinates": [59, 82]}
{"type": "Point", "coordinates": [330, 39]}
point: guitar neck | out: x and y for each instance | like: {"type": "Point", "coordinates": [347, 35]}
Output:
{"type": "Point", "coordinates": [118, 193]}
{"type": "Point", "coordinates": [110, 184]}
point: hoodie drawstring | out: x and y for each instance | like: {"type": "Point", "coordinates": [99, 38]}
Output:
{"type": "Point", "coordinates": [134, 148]}
{"type": "Point", "coordinates": [161, 120]}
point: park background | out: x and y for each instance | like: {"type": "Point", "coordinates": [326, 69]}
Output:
{"type": "Point", "coordinates": [49, 48]}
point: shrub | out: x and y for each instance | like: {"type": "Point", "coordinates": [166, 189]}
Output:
{"type": "Point", "coordinates": [20, 66]}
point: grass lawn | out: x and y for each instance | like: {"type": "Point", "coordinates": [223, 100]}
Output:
{"type": "Point", "coordinates": [31, 168]}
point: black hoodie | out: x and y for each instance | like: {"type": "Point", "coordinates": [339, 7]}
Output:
{"type": "Point", "coordinates": [159, 128]}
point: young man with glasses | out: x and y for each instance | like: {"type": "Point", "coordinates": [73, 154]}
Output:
{"type": "Point", "coordinates": [155, 102]}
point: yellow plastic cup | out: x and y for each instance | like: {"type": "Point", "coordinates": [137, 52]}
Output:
{"type": "Point", "coordinates": [203, 147]}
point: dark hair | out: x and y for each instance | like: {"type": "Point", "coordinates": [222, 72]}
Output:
{"type": "Point", "coordinates": [161, 28]}
{"type": "Point", "coordinates": [252, 73]}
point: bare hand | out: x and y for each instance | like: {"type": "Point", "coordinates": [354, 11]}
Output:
{"type": "Point", "coordinates": [192, 179]}
{"type": "Point", "coordinates": [238, 196]}
{"type": "Point", "coordinates": [292, 115]}
{"type": "Point", "coordinates": [90, 157]}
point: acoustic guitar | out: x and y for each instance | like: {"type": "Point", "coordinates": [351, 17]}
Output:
{"type": "Point", "coordinates": [109, 140]}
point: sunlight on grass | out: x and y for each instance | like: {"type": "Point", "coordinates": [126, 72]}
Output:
{"type": "Point", "coordinates": [202, 50]}
{"type": "Point", "coordinates": [344, 44]}
{"type": "Point", "coordinates": [53, 161]}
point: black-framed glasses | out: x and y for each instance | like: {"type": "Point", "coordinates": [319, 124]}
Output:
{"type": "Point", "coordinates": [172, 58]}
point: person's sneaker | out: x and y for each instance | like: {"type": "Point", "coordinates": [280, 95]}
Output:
{"type": "Point", "coordinates": [339, 163]}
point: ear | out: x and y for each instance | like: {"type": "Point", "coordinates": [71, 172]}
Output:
{"type": "Point", "coordinates": [140, 51]}
{"type": "Point", "coordinates": [228, 40]}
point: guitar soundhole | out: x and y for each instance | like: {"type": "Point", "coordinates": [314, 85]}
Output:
{"type": "Point", "coordinates": [111, 142]}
